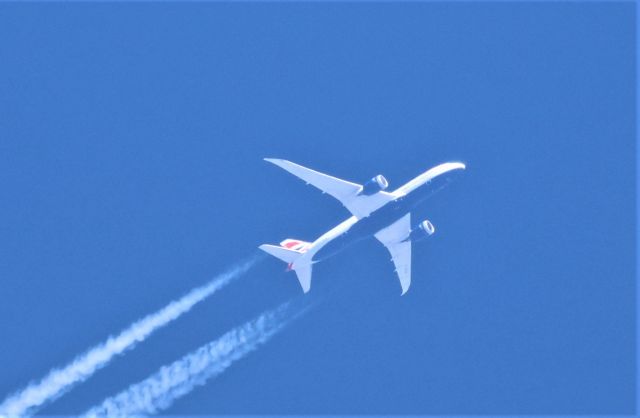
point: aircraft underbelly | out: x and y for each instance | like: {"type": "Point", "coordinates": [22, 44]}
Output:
{"type": "Point", "coordinates": [383, 217]}
{"type": "Point", "coordinates": [365, 228]}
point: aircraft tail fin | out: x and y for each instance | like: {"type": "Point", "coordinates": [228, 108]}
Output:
{"type": "Point", "coordinates": [295, 244]}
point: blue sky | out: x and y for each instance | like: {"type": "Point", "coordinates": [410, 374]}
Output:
{"type": "Point", "coordinates": [132, 138]}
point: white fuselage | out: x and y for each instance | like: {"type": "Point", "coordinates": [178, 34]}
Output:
{"type": "Point", "coordinates": [345, 226]}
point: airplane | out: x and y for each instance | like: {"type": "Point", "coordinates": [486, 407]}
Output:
{"type": "Point", "coordinates": [385, 215]}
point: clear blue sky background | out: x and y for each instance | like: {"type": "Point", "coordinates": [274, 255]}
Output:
{"type": "Point", "coordinates": [131, 146]}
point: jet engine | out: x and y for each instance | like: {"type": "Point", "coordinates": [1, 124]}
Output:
{"type": "Point", "coordinates": [423, 230]}
{"type": "Point", "coordinates": [373, 186]}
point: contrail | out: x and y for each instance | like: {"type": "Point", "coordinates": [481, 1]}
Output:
{"type": "Point", "coordinates": [161, 389]}
{"type": "Point", "coordinates": [58, 381]}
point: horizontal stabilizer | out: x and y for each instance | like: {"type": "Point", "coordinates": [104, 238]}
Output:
{"type": "Point", "coordinates": [289, 256]}
{"type": "Point", "coordinates": [284, 254]}
{"type": "Point", "coordinates": [304, 276]}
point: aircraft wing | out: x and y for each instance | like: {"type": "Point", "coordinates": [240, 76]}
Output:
{"type": "Point", "coordinates": [345, 191]}
{"type": "Point", "coordinates": [395, 238]}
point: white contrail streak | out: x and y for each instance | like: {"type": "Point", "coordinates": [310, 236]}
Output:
{"type": "Point", "coordinates": [58, 381]}
{"type": "Point", "coordinates": [161, 389]}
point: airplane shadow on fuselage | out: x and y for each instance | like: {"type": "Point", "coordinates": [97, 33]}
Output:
{"type": "Point", "coordinates": [365, 228]}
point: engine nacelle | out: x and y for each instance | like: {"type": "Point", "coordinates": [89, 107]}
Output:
{"type": "Point", "coordinates": [375, 185]}
{"type": "Point", "coordinates": [423, 230]}
{"type": "Point", "coordinates": [427, 227]}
